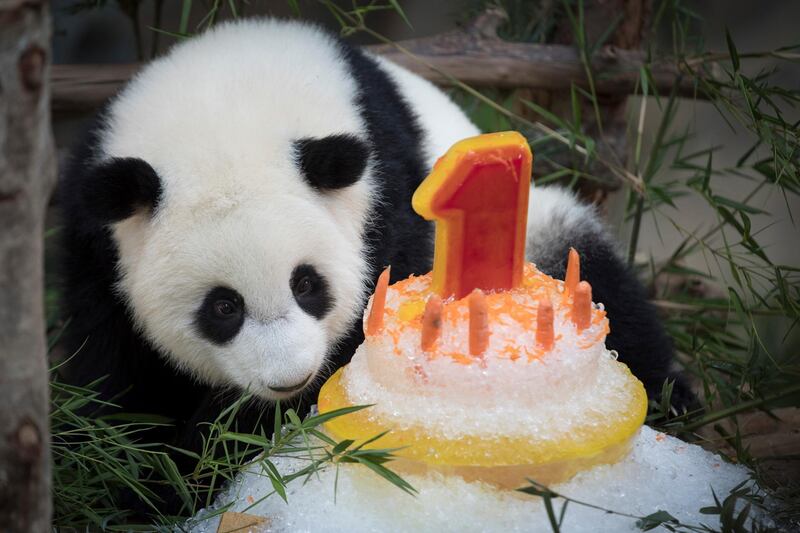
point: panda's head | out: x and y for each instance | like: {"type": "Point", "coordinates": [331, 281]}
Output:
{"type": "Point", "coordinates": [237, 192]}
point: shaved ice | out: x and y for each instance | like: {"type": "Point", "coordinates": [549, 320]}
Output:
{"type": "Point", "coordinates": [661, 473]}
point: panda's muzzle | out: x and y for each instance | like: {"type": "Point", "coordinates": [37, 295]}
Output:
{"type": "Point", "coordinates": [291, 388]}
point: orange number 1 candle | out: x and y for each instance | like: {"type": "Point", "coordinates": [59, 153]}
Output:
{"type": "Point", "coordinates": [478, 195]}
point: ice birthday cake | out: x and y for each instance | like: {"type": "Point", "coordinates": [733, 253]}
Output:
{"type": "Point", "coordinates": [486, 367]}
{"type": "Point", "coordinates": [481, 375]}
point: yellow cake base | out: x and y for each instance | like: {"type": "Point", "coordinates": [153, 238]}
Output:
{"type": "Point", "coordinates": [501, 460]}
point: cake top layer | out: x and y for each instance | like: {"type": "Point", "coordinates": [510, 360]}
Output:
{"type": "Point", "coordinates": [511, 325]}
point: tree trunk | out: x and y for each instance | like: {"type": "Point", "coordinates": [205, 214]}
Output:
{"type": "Point", "coordinates": [27, 174]}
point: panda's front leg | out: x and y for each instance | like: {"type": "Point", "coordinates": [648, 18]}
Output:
{"type": "Point", "coordinates": [557, 221]}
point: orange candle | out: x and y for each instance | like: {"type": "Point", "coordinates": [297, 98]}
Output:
{"type": "Point", "coordinates": [582, 306]}
{"type": "Point", "coordinates": [478, 323]}
{"type": "Point", "coordinates": [375, 317]}
{"type": "Point", "coordinates": [431, 322]}
{"type": "Point", "coordinates": [573, 275]}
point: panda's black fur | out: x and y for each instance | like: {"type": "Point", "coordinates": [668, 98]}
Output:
{"type": "Point", "coordinates": [136, 377]}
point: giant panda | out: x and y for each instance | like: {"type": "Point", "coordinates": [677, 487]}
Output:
{"type": "Point", "coordinates": [230, 211]}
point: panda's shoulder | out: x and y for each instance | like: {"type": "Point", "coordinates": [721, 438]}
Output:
{"type": "Point", "coordinates": [557, 219]}
{"type": "Point", "coordinates": [555, 210]}
{"type": "Point", "coordinates": [443, 123]}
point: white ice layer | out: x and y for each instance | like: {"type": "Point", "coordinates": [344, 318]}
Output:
{"type": "Point", "coordinates": [401, 366]}
{"type": "Point", "coordinates": [508, 398]}
{"type": "Point", "coordinates": [661, 473]}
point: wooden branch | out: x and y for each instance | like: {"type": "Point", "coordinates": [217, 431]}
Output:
{"type": "Point", "coordinates": [85, 87]}
{"type": "Point", "coordinates": [27, 174]}
{"type": "Point", "coordinates": [474, 56]}
{"type": "Point", "coordinates": [487, 62]}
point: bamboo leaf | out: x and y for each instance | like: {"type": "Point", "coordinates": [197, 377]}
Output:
{"type": "Point", "coordinates": [276, 430]}
{"type": "Point", "coordinates": [247, 438]}
{"type": "Point", "coordinates": [388, 475]}
{"type": "Point", "coordinates": [738, 206]}
{"type": "Point", "coordinates": [654, 520]}
{"type": "Point", "coordinates": [342, 446]}
{"type": "Point", "coordinates": [186, 10]}
{"type": "Point", "coordinates": [732, 50]}
{"type": "Point", "coordinates": [295, 7]}
{"type": "Point", "coordinates": [314, 421]}
{"type": "Point", "coordinates": [275, 480]}
{"type": "Point", "coordinates": [293, 418]}
{"type": "Point", "coordinates": [396, 5]}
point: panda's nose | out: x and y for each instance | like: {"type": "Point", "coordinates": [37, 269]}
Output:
{"type": "Point", "coordinates": [291, 388]}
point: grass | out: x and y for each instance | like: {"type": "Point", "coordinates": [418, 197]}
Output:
{"type": "Point", "coordinates": [734, 321]}
{"type": "Point", "coordinates": [103, 476]}
{"type": "Point", "coordinates": [732, 512]}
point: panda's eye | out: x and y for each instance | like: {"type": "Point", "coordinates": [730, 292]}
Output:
{"type": "Point", "coordinates": [224, 308]}
{"type": "Point", "coordinates": [311, 291]}
{"type": "Point", "coordinates": [303, 287]}
{"type": "Point", "coordinates": [221, 315]}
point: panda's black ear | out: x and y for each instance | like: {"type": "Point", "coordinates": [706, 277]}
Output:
{"type": "Point", "coordinates": [331, 162]}
{"type": "Point", "coordinates": [115, 189]}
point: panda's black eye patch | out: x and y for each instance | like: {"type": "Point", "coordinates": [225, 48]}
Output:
{"type": "Point", "coordinates": [221, 315]}
{"type": "Point", "coordinates": [331, 162]}
{"type": "Point", "coordinates": [311, 291]}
